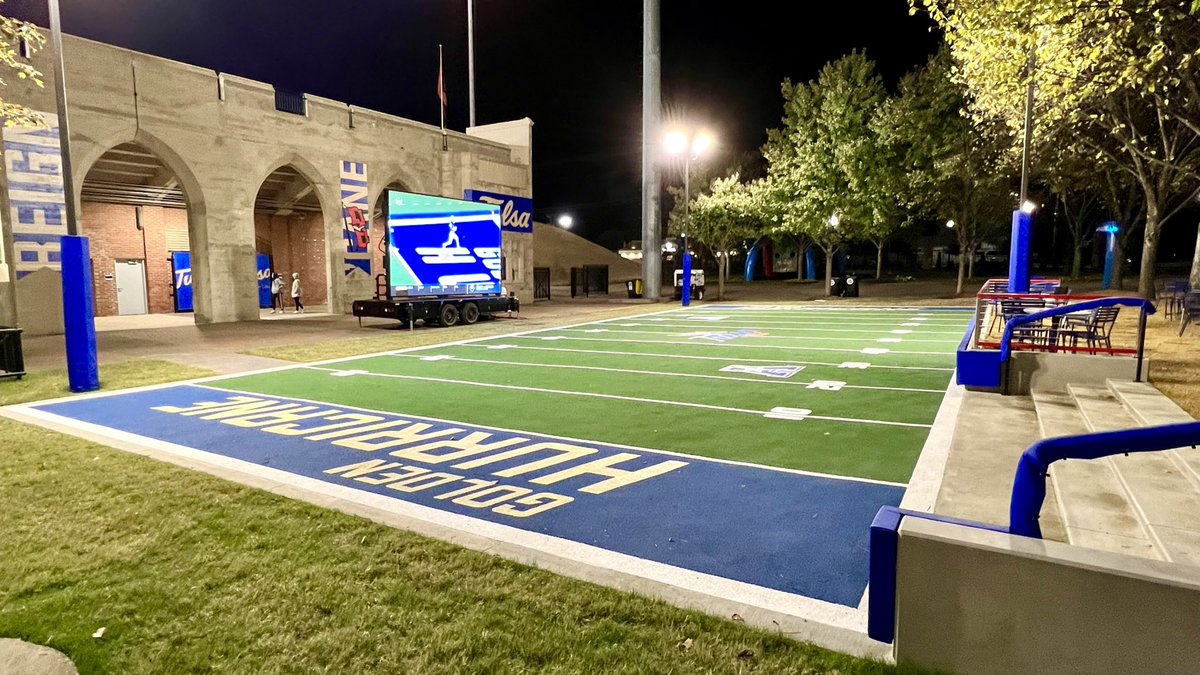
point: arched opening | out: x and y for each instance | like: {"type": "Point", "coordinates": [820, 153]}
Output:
{"type": "Point", "coordinates": [379, 227]}
{"type": "Point", "coordinates": [289, 237]}
{"type": "Point", "coordinates": [134, 210]}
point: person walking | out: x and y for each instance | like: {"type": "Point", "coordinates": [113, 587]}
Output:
{"type": "Point", "coordinates": [296, 292]}
{"type": "Point", "coordinates": [277, 293]}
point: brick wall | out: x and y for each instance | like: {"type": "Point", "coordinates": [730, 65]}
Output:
{"type": "Point", "coordinates": [114, 236]}
{"type": "Point", "coordinates": [296, 243]}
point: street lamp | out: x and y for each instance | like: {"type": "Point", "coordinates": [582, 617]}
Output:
{"type": "Point", "coordinates": [1028, 207]}
{"type": "Point", "coordinates": [691, 145]}
{"type": "Point", "coordinates": [835, 219]}
{"type": "Point", "coordinates": [565, 221]}
{"type": "Point", "coordinates": [950, 224]}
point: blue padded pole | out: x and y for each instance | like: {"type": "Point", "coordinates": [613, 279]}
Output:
{"type": "Point", "coordinates": [1018, 258]}
{"type": "Point", "coordinates": [687, 272]}
{"type": "Point", "coordinates": [79, 316]}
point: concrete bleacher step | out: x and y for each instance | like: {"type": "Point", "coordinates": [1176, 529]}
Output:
{"type": "Point", "coordinates": [1166, 484]}
{"type": "Point", "coordinates": [1093, 504]}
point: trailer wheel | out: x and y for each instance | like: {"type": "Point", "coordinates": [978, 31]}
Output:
{"type": "Point", "coordinates": [470, 313]}
{"type": "Point", "coordinates": [699, 293]}
{"type": "Point", "coordinates": [448, 316]}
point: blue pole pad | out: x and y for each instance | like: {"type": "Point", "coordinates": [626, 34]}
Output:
{"type": "Point", "coordinates": [1018, 258]}
{"type": "Point", "coordinates": [810, 264]}
{"type": "Point", "coordinates": [1109, 258]}
{"type": "Point", "coordinates": [79, 315]}
{"type": "Point", "coordinates": [687, 275]}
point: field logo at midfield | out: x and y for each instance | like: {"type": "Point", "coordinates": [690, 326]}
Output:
{"type": "Point", "coordinates": [765, 371]}
{"type": "Point", "coordinates": [724, 337]}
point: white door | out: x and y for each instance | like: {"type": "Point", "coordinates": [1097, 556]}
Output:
{"type": "Point", "coordinates": [131, 287]}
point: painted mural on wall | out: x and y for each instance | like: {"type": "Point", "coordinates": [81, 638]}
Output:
{"type": "Point", "coordinates": [37, 206]}
{"type": "Point", "coordinates": [356, 216]}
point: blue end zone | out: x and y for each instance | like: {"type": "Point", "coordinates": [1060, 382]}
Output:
{"type": "Point", "coordinates": [796, 533]}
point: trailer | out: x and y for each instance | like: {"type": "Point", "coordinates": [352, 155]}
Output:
{"type": "Point", "coordinates": [442, 311]}
{"type": "Point", "coordinates": [442, 263]}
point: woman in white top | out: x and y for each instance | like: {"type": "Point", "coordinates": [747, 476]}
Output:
{"type": "Point", "coordinates": [277, 293]}
{"type": "Point", "coordinates": [296, 292]}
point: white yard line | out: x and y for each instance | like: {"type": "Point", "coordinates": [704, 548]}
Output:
{"type": "Point", "coordinates": [615, 397]}
{"type": "Point", "coordinates": [569, 439]}
{"type": "Point", "coordinates": [777, 362]}
{"type": "Point", "coordinates": [808, 328]}
{"type": "Point", "coordinates": [717, 329]}
{"type": "Point", "coordinates": [660, 373]}
{"type": "Point", "coordinates": [726, 344]}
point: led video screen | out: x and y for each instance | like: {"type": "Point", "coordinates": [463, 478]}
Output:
{"type": "Point", "coordinates": [439, 246]}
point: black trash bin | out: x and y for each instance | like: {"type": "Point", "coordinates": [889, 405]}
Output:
{"type": "Point", "coordinates": [850, 286]}
{"type": "Point", "coordinates": [12, 359]}
{"type": "Point", "coordinates": [837, 286]}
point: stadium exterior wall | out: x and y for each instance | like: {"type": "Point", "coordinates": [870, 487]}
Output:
{"type": "Point", "coordinates": [221, 135]}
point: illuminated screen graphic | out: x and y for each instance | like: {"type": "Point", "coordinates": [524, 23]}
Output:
{"type": "Point", "coordinates": [439, 246]}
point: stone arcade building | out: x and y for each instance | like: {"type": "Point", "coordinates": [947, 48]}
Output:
{"type": "Point", "coordinates": [171, 158]}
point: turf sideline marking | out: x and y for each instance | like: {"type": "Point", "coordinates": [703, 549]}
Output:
{"type": "Point", "coordinates": [788, 362]}
{"type": "Point", "coordinates": [840, 627]}
{"type": "Point", "coordinates": [849, 321]}
{"type": "Point", "coordinates": [296, 366]}
{"type": "Point", "coordinates": [723, 344]}
{"type": "Point", "coordinates": [797, 383]}
{"type": "Point", "coordinates": [617, 397]}
{"type": "Point", "coordinates": [773, 337]}
{"type": "Point", "coordinates": [570, 439]}
{"type": "Point", "coordinates": [883, 328]}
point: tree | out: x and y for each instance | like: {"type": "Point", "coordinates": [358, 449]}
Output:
{"type": "Point", "coordinates": [720, 218]}
{"type": "Point", "coordinates": [817, 185]}
{"type": "Point", "coordinates": [954, 170]}
{"type": "Point", "coordinates": [12, 33]}
{"type": "Point", "coordinates": [1124, 75]}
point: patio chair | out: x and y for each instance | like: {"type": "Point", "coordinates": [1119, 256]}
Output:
{"type": "Point", "coordinates": [1029, 333]}
{"type": "Point", "coordinates": [1172, 296]}
{"type": "Point", "coordinates": [1190, 309]}
{"type": "Point", "coordinates": [1093, 328]}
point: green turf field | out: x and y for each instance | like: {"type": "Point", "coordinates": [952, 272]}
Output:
{"type": "Point", "coordinates": [688, 381]}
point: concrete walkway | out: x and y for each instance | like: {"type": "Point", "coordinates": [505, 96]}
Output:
{"type": "Point", "coordinates": [22, 658]}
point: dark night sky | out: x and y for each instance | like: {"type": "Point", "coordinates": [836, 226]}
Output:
{"type": "Point", "coordinates": [574, 67]}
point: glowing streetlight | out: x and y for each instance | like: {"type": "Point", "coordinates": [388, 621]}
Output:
{"type": "Point", "coordinates": [835, 220]}
{"type": "Point", "coordinates": [950, 224]}
{"type": "Point", "coordinates": [1028, 207]}
{"type": "Point", "coordinates": [565, 221]}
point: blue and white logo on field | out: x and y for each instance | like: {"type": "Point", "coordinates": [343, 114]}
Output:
{"type": "Point", "coordinates": [781, 372]}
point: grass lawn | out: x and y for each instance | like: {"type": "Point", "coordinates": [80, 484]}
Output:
{"type": "Point", "coordinates": [187, 572]}
{"type": "Point", "coordinates": [44, 384]}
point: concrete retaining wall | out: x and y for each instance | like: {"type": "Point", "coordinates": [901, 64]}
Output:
{"type": "Point", "coordinates": [1042, 371]}
{"type": "Point", "coordinates": [972, 601]}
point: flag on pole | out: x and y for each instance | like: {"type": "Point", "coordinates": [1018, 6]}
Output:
{"type": "Point", "coordinates": [441, 92]}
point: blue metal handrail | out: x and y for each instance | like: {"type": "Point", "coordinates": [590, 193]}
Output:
{"type": "Point", "coordinates": [1006, 342]}
{"type": "Point", "coordinates": [1029, 488]}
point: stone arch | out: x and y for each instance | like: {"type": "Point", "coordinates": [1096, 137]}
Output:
{"type": "Point", "coordinates": [297, 237]}
{"type": "Point", "coordinates": [107, 216]}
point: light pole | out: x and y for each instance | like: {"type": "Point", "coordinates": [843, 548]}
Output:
{"type": "Point", "coordinates": [79, 316]}
{"type": "Point", "coordinates": [471, 58]}
{"type": "Point", "coordinates": [691, 146]}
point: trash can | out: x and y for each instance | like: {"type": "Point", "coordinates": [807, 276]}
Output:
{"type": "Point", "coordinates": [12, 359]}
{"type": "Point", "coordinates": [634, 286]}
{"type": "Point", "coordinates": [850, 286]}
{"type": "Point", "coordinates": [837, 286]}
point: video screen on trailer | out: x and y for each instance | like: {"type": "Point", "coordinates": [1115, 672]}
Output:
{"type": "Point", "coordinates": [439, 246]}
